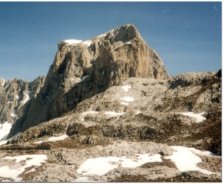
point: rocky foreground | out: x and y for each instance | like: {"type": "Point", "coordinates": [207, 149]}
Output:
{"type": "Point", "coordinates": [96, 122]}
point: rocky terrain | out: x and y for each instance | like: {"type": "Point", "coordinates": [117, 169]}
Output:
{"type": "Point", "coordinates": [108, 112]}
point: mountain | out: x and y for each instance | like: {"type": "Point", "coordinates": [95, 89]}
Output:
{"type": "Point", "coordinates": [107, 111]}
{"type": "Point", "coordinates": [14, 97]}
{"type": "Point", "coordinates": [83, 69]}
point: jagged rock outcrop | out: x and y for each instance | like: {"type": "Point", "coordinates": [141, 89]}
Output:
{"type": "Point", "coordinates": [83, 69]}
{"type": "Point", "coordinates": [14, 97]}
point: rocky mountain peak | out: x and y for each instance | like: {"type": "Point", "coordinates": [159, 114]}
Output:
{"type": "Point", "coordinates": [82, 69]}
{"type": "Point", "coordinates": [125, 33]}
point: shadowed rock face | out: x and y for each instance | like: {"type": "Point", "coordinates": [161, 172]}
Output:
{"type": "Point", "coordinates": [81, 70]}
{"type": "Point", "coordinates": [15, 96]}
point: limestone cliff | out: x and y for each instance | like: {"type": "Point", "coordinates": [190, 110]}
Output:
{"type": "Point", "coordinates": [82, 69]}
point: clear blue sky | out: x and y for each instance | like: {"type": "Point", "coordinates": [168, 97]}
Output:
{"type": "Point", "coordinates": [187, 36]}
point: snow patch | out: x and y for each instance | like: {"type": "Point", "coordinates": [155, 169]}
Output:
{"type": "Point", "coordinates": [75, 42]}
{"type": "Point", "coordinates": [83, 179]}
{"type": "Point", "coordinates": [87, 42]}
{"type": "Point", "coordinates": [198, 117]}
{"type": "Point", "coordinates": [186, 160]}
{"type": "Point", "coordinates": [3, 142]}
{"type": "Point", "coordinates": [25, 98]}
{"type": "Point", "coordinates": [202, 153]}
{"type": "Point", "coordinates": [53, 139]}
{"type": "Point", "coordinates": [102, 35]}
{"type": "Point", "coordinates": [12, 114]}
{"type": "Point", "coordinates": [5, 129]}
{"type": "Point", "coordinates": [113, 113]}
{"type": "Point", "coordinates": [7, 172]}
{"type": "Point", "coordinates": [128, 43]}
{"type": "Point", "coordinates": [98, 166]}
{"type": "Point", "coordinates": [14, 171]}
{"type": "Point", "coordinates": [128, 99]}
{"type": "Point", "coordinates": [142, 159]}
{"type": "Point", "coordinates": [72, 41]}
{"type": "Point", "coordinates": [126, 88]}
{"type": "Point", "coordinates": [84, 114]}
{"type": "Point", "coordinates": [102, 165]}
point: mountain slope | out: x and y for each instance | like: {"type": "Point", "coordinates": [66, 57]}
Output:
{"type": "Point", "coordinates": [146, 110]}
{"type": "Point", "coordinates": [134, 132]}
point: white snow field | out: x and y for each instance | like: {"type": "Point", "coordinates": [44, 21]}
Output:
{"type": "Point", "coordinates": [186, 159]}
{"type": "Point", "coordinates": [202, 153]}
{"type": "Point", "coordinates": [102, 165]}
{"type": "Point", "coordinates": [5, 129]}
{"type": "Point", "coordinates": [72, 41]}
{"type": "Point", "coordinates": [75, 42]}
{"type": "Point", "coordinates": [87, 42]}
{"type": "Point", "coordinates": [18, 168]}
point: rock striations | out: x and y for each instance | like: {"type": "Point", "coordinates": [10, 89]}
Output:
{"type": "Point", "coordinates": [107, 111]}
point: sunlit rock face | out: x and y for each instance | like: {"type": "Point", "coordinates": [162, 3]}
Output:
{"type": "Point", "coordinates": [82, 69]}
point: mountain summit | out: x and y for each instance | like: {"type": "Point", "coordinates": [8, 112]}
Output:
{"type": "Point", "coordinates": [82, 69]}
